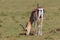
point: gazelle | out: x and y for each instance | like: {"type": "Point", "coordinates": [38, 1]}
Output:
{"type": "Point", "coordinates": [37, 16]}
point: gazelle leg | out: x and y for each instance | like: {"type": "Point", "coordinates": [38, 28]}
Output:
{"type": "Point", "coordinates": [39, 24]}
{"type": "Point", "coordinates": [39, 30]}
{"type": "Point", "coordinates": [28, 28]}
{"type": "Point", "coordinates": [39, 27]}
{"type": "Point", "coordinates": [35, 25]}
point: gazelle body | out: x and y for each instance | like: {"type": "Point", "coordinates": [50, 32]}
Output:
{"type": "Point", "coordinates": [36, 16]}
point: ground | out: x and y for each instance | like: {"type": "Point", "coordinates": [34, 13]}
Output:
{"type": "Point", "coordinates": [14, 13]}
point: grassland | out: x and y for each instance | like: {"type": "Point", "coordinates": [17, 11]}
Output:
{"type": "Point", "coordinates": [16, 12]}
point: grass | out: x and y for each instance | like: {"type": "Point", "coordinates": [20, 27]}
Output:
{"type": "Point", "coordinates": [16, 12]}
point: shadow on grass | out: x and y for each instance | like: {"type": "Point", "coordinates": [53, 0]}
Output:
{"type": "Point", "coordinates": [0, 25]}
{"type": "Point", "coordinates": [1, 21]}
{"type": "Point", "coordinates": [0, 35]}
{"type": "Point", "coordinates": [48, 38]}
{"type": "Point", "coordinates": [55, 30]}
{"type": "Point", "coordinates": [59, 9]}
{"type": "Point", "coordinates": [3, 14]}
{"type": "Point", "coordinates": [24, 34]}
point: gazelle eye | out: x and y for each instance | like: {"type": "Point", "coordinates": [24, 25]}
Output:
{"type": "Point", "coordinates": [37, 10]}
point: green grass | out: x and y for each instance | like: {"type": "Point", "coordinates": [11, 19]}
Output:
{"type": "Point", "coordinates": [16, 12]}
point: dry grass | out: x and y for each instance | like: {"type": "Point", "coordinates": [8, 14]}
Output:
{"type": "Point", "coordinates": [16, 12]}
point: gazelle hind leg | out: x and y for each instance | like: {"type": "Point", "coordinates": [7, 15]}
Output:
{"type": "Point", "coordinates": [28, 28]}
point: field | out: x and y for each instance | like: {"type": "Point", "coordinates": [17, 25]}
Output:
{"type": "Point", "coordinates": [14, 13]}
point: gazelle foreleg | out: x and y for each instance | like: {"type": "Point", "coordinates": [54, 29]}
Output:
{"type": "Point", "coordinates": [39, 24]}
